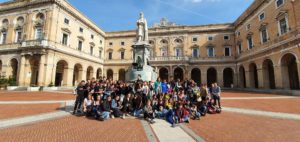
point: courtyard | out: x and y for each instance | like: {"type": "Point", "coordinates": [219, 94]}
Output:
{"type": "Point", "coordinates": [246, 116]}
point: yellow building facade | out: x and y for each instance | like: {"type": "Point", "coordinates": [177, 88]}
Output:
{"type": "Point", "coordinates": [51, 42]}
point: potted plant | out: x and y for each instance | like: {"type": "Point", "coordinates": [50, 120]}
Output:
{"type": "Point", "coordinates": [12, 84]}
{"type": "Point", "coordinates": [3, 83]}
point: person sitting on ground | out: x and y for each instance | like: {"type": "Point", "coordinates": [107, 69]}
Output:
{"type": "Point", "coordinates": [216, 94]}
{"type": "Point", "coordinates": [127, 105]}
{"type": "Point", "coordinates": [194, 112]}
{"type": "Point", "coordinates": [182, 115]}
{"type": "Point", "coordinates": [106, 109]}
{"type": "Point", "coordinates": [97, 107]}
{"type": "Point", "coordinates": [137, 104]}
{"type": "Point", "coordinates": [88, 105]}
{"type": "Point", "coordinates": [212, 109]}
{"type": "Point", "coordinates": [148, 112]}
{"type": "Point", "coordinates": [80, 90]}
{"type": "Point", "coordinates": [202, 107]}
{"type": "Point", "coordinates": [204, 92]}
{"type": "Point", "coordinates": [116, 107]}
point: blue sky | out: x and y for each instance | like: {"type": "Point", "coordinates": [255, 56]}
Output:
{"type": "Point", "coordinates": [114, 15]}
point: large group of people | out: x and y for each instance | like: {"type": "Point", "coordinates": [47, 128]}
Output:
{"type": "Point", "coordinates": [175, 101]}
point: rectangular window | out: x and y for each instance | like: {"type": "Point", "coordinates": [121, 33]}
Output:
{"type": "Point", "coordinates": [122, 55]}
{"type": "Point", "coordinates": [195, 39]}
{"type": "Point", "coordinates": [226, 37]}
{"type": "Point", "coordinates": [67, 21]}
{"type": "Point", "coordinates": [91, 50]}
{"type": "Point", "coordinates": [81, 30]}
{"type": "Point", "coordinates": [283, 26]}
{"type": "Point", "coordinates": [238, 33]}
{"type": "Point", "coordinates": [264, 35]}
{"type": "Point", "coordinates": [279, 3]}
{"type": "Point", "coordinates": [210, 52]}
{"type": "Point", "coordinates": [248, 27]}
{"type": "Point", "coordinates": [227, 51]}
{"type": "Point", "coordinates": [250, 43]}
{"type": "Point", "coordinates": [92, 36]}
{"type": "Point", "coordinates": [210, 38]}
{"type": "Point", "coordinates": [3, 38]}
{"type": "Point", "coordinates": [18, 36]}
{"type": "Point", "coordinates": [39, 33]}
{"type": "Point", "coordinates": [239, 48]}
{"type": "Point", "coordinates": [100, 41]}
{"type": "Point", "coordinates": [262, 16]}
{"type": "Point", "coordinates": [79, 45]}
{"type": "Point", "coordinates": [65, 39]}
{"type": "Point", "coordinates": [122, 43]}
{"type": "Point", "coordinates": [195, 52]}
{"type": "Point", "coordinates": [110, 43]}
{"type": "Point", "coordinates": [163, 52]}
{"type": "Point", "coordinates": [110, 55]}
{"type": "Point", "coordinates": [100, 54]}
{"type": "Point", "coordinates": [177, 52]}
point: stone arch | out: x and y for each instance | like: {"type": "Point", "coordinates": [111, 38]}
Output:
{"type": "Point", "coordinates": [61, 73]}
{"type": "Point", "coordinates": [211, 76]}
{"type": "Point", "coordinates": [228, 74]}
{"type": "Point", "coordinates": [163, 73]}
{"type": "Point", "coordinates": [77, 74]}
{"type": "Point", "coordinates": [89, 72]}
{"type": "Point", "coordinates": [1, 64]}
{"type": "Point", "coordinates": [290, 72]}
{"type": "Point", "coordinates": [253, 78]}
{"type": "Point", "coordinates": [110, 74]}
{"type": "Point", "coordinates": [33, 70]}
{"type": "Point", "coordinates": [178, 73]}
{"type": "Point", "coordinates": [242, 77]}
{"type": "Point", "coordinates": [13, 68]}
{"type": "Point", "coordinates": [122, 75]}
{"type": "Point", "coordinates": [99, 73]}
{"type": "Point", "coordinates": [196, 75]}
{"type": "Point", "coordinates": [268, 74]}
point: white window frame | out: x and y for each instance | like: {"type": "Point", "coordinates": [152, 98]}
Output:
{"type": "Point", "coordinates": [67, 20]}
{"type": "Point", "coordinates": [165, 51]}
{"type": "Point", "coordinates": [67, 39]}
{"type": "Point", "coordinates": [36, 32]}
{"type": "Point", "coordinates": [239, 51]}
{"type": "Point", "coordinates": [212, 37]}
{"type": "Point", "coordinates": [196, 37]}
{"type": "Point", "coordinates": [261, 36]}
{"type": "Point", "coordinates": [260, 15]}
{"type": "Point", "coordinates": [287, 25]}
{"type": "Point", "coordinates": [283, 2]}
{"type": "Point", "coordinates": [229, 51]}
{"type": "Point", "coordinates": [121, 55]}
{"type": "Point", "coordinates": [16, 35]}
{"type": "Point", "coordinates": [92, 51]}
{"type": "Point", "coordinates": [248, 27]}
{"type": "Point", "coordinates": [208, 51]}
{"type": "Point", "coordinates": [2, 41]}
{"type": "Point", "coordinates": [81, 45]}
{"type": "Point", "coordinates": [226, 39]}
{"type": "Point", "coordinates": [198, 53]}
{"type": "Point", "coordinates": [179, 53]}
{"type": "Point", "coordinates": [109, 56]}
{"type": "Point", "coordinates": [249, 43]}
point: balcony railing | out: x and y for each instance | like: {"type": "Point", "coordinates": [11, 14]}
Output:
{"type": "Point", "coordinates": [191, 59]}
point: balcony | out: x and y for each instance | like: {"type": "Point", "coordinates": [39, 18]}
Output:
{"type": "Point", "coordinates": [119, 61]}
{"type": "Point", "coordinates": [192, 59]}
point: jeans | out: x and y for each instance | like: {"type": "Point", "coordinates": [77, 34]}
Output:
{"type": "Point", "coordinates": [78, 103]}
{"type": "Point", "coordinates": [105, 115]}
{"type": "Point", "coordinates": [217, 98]}
{"type": "Point", "coordinates": [138, 112]}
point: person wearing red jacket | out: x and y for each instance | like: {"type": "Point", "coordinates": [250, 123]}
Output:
{"type": "Point", "coordinates": [182, 114]}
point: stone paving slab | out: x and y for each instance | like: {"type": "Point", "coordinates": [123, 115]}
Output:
{"type": "Point", "coordinates": [9, 111]}
{"type": "Point", "coordinates": [35, 96]}
{"type": "Point", "coordinates": [77, 129]}
{"type": "Point", "coordinates": [236, 127]}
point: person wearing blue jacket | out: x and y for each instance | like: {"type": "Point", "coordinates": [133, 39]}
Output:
{"type": "Point", "coordinates": [164, 87]}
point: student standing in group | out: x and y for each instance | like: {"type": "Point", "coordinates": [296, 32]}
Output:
{"type": "Point", "coordinates": [216, 94]}
{"type": "Point", "coordinates": [81, 89]}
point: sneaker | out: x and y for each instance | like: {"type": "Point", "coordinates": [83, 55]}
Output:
{"type": "Point", "coordinates": [152, 121]}
{"type": "Point", "coordinates": [188, 121]}
{"type": "Point", "coordinates": [112, 116]}
{"type": "Point", "coordinates": [123, 117]}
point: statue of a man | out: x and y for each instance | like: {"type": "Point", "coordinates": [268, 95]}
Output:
{"type": "Point", "coordinates": [142, 29]}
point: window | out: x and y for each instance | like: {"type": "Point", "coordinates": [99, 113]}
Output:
{"type": "Point", "coordinates": [81, 30]}
{"type": "Point", "coordinates": [79, 45]}
{"type": "Point", "coordinates": [210, 38]}
{"type": "Point", "coordinates": [122, 55]}
{"type": "Point", "coordinates": [100, 54]}
{"type": "Point", "coordinates": [67, 21]}
{"type": "Point", "coordinates": [250, 42]}
{"type": "Point", "coordinates": [39, 33]}
{"type": "Point", "coordinates": [109, 55]}
{"type": "Point", "coordinates": [92, 36]}
{"type": "Point", "coordinates": [164, 52]}
{"type": "Point", "coordinates": [227, 51]}
{"type": "Point", "coordinates": [65, 39]}
{"type": "Point", "coordinates": [226, 37]}
{"type": "Point", "coordinates": [264, 35]}
{"type": "Point", "coordinates": [177, 52]}
{"type": "Point", "coordinates": [3, 38]}
{"type": "Point", "coordinates": [100, 41]}
{"type": "Point", "coordinates": [262, 16]}
{"type": "Point", "coordinates": [248, 27]}
{"type": "Point", "coordinates": [122, 43]}
{"type": "Point", "coordinates": [238, 33]}
{"type": "Point", "coordinates": [91, 50]}
{"type": "Point", "coordinates": [279, 3]}
{"type": "Point", "coordinates": [195, 52]}
{"type": "Point", "coordinates": [210, 52]}
{"type": "Point", "coordinates": [283, 26]}
{"type": "Point", "coordinates": [110, 43]}
{"type": "Point", "coordinates": [195, 39]}
{"type": "Point", "coordinates": [239, 48]}
{"type": "Point", "coordinates": [18, 36]}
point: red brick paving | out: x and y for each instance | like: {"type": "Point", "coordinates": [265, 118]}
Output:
{"type": "Point", "coordinates": [77, 129]}
{"type": "Point", "coordinates": [34, 96]}
{"type": "Point", "coordinates": [246, 94]}
{"type": "Point", "coordinates": [274, 105]}
{"type": "Point", "coordinates": [12, 111]}
{"type": "Point", "coordinates": [233, 127]}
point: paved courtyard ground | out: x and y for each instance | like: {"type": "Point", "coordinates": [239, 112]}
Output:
{"type": "Point", "coordinates": [43, 116]}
